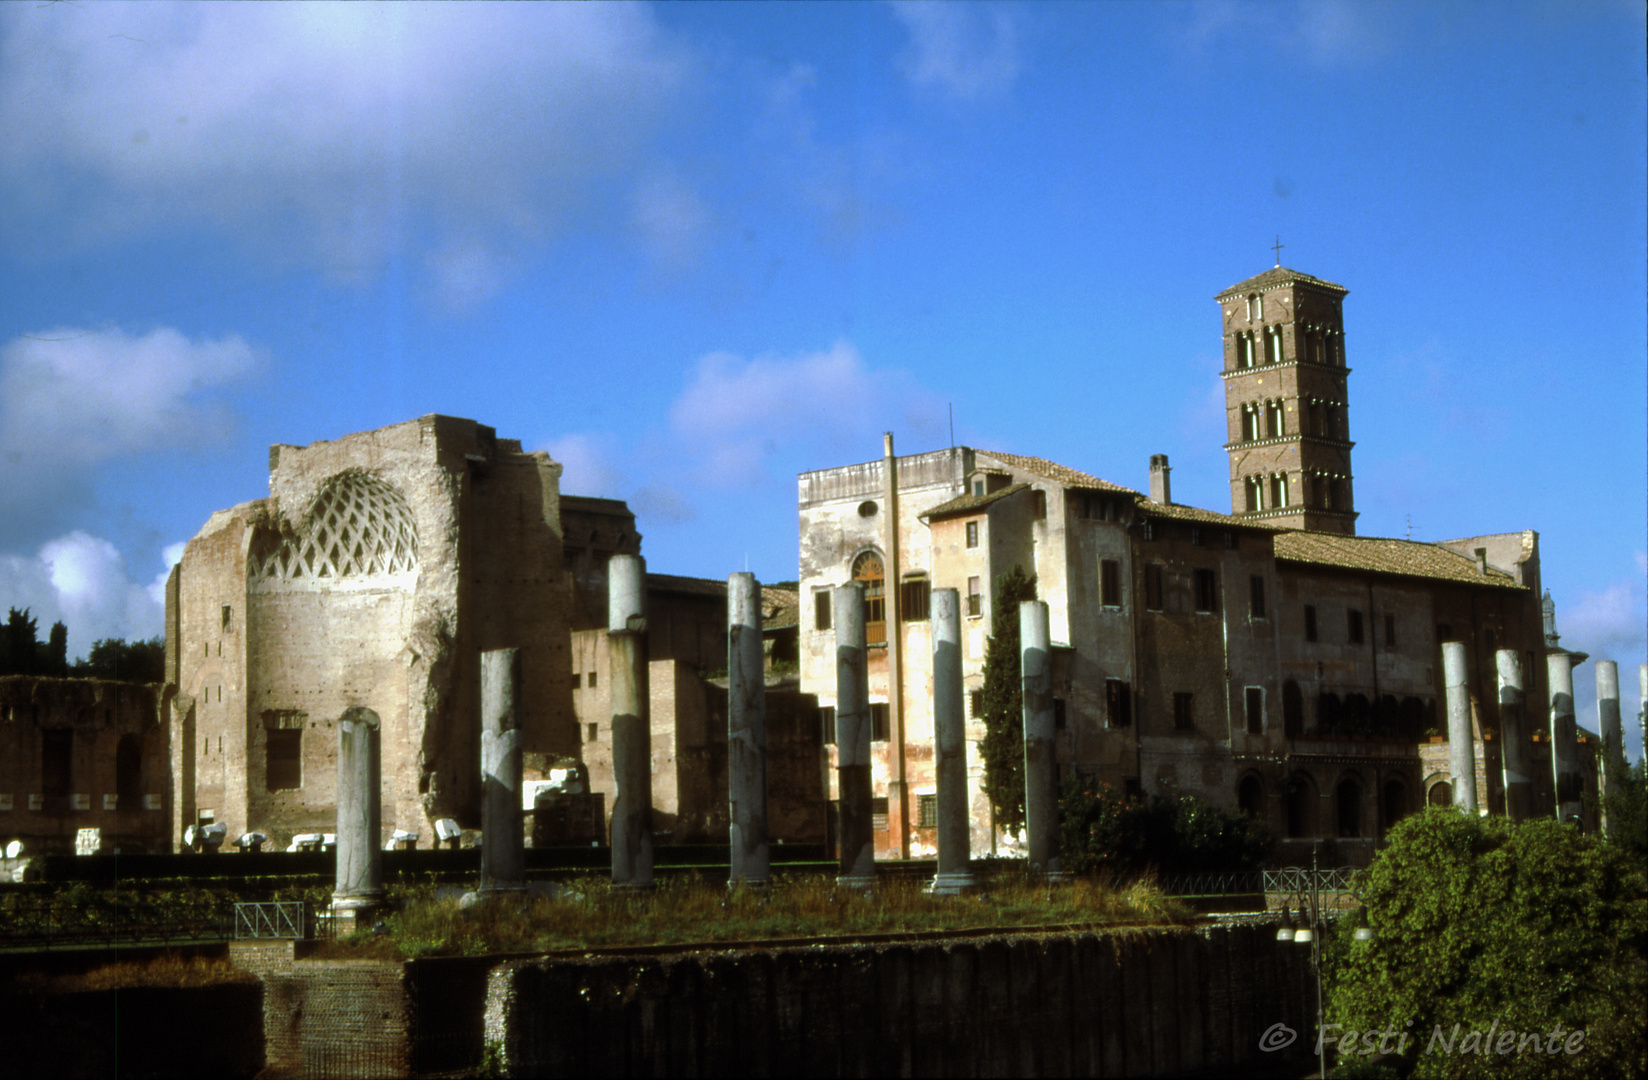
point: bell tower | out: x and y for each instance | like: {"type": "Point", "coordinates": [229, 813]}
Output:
{"type": "Point", "coordinates": [1285, 403]}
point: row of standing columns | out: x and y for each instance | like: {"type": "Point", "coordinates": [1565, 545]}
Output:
{"type": "Point", "coordinates": [359, 877]}
{"type": "Point", "coordinates": [1516, 730]}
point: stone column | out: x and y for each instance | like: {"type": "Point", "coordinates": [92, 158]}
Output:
{"type": "Point", "coordinates": [1642, 710]}
{"type": "Point", "coordinates": [1461, 740]}
{"type": "Point", "coordinates": [1613, 734]}
{"type": "Point", "coordinates": [852, 739]}
{"type": "Point", "coordinates": [631, 730]}
{"type": "Point", "coordinates": [1041, 769]}
{"type": "Point", "coordinates": [746, 733]}
{"type": "Point", "coordinates": [1513, 737]}
{"type": "Point", "coordinates": [503, 861]}
{"type": "Point", "coordinates": [358, 890]}
{"type": "Point", "coordinates": [950, 746]}
{"type": "Point", "coordinates": [1565, 773]}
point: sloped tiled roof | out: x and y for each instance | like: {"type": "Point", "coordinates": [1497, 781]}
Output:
{"type": "Point", "coordinates": [961, 504]}
{"type": "Point", "coordinates": [1196, 513]}
{"type": "Point", "coordinates": [1052, 470]}
{"type": "Point", "coordinates": [690, 586]}
{"type": "Point", "coordinates": [1383, 555]}
{"type": "Point", "coordinates": [1279, 275]}
{"type": "Point", "coordinates": [780, 608]}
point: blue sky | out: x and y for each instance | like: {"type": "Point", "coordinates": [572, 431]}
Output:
{"type": "Point", "coordinates": [694, 249]}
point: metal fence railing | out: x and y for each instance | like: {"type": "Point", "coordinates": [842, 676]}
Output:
{"type": "Point", "coordinates": [283, 919]}
{"type": "Point", "coordinates": [31, 922]}
{"type": "Point", "coordinates": [1238, 881]}
{"type": "Point", "coordinates": [1299, 880]}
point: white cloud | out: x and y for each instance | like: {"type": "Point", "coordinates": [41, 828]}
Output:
{"type": "Point", "coordinates": [968, 51]}
{"type": "Point", "coordinates": [735, 414]}
{"type": "Point", "coordinates": [671, 218]}
{"type": "Point", "coordinates": [336, 134]}
{"type": "Point", "coordinates": [589, 465]}
{"type": "Point", "coordinates": [80, 580]}
{"type": "Point", "coordinates": [1609, 623]}
{"type": "Point", "coordinates": [71, 398]}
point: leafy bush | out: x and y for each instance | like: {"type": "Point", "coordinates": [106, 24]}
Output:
{"type": "Point", "coordinates": [1495, 926]}
{"type": "Point", "coordinates": [1101, 831]}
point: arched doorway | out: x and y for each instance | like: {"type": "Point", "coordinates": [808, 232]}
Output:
{"type": "Point", "coordinates": [1250, 796]}
{"type": "Point", "coordinates": [1440, 794]}
{"type": "Point", "coordinates": [1301, 806]}
{"type": "Point", "coordinates": [1347, 799]}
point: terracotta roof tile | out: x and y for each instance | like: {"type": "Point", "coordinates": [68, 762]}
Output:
{"type": "Point", "coordinates": [1196, 513]}
{"type": "Point", "coordinates": [1279, 275]}
{"type": "Point", "coordinates": [1383, 555]}
{"type": "Point", "coordinates": [780, 608]}
{"type": "Point", "coordinates": [963, 503]}
{"type": "Point", "coordinates": [1052, 470]}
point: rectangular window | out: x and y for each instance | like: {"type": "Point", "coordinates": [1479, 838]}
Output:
{"type": "Point", "coordinates": [1207, 590]}
{"type": "Point", "coordinates": [1310, 622]}
{"type": "Point", "coordinates": [577, 680]}
{"type": "Point", "coordinates": [926, 811]}
{"type": "Point", "coordinates": [56, 761]}
{"type": "Point", "coordinates": [1038, 508]}
{"type": "Point", "coordinates": [592, 680]}
{"type": "Point", "coordinates": [972, 534]}
{"type": "Point", "coordinates": [1184, 712]}
{"type": "Point", "coordinates": [878, 815]}
{"type": "Point", "coordinates": [1255, 701]}
{"type": "Point", "coordinates": [913, 600]}
{"type": "Point", "coordinates": [1148, 529]}
{"type": "Point", "coordinates": [1256, 597]}
{"type": "Point", "coordinates": [1058, 714]}
{"type": "Point", "coordinates": [1153, 587]}
{"type": "Point", "coordinates": [1195, 536]}
{"type": "Point", "coordinates": [826, 724]}
{"type": "Point", "coordinates": [1390, 631]}
{"type": "Point", "coordinates": [1118, 703]}
{"type": "Point", "coordinates": [878, 721]}
{"type": "Point", "coordinates": [592, 733]}
{"type": "Point", "coordinates": [228, 619]}
{"type": "Point", "coordinates": [283, 766]}
{"type": "Point", "coordinates": [1110, 583]}
{"type": "Point", "coordinates": [975, 704]}
{"type": "Point", "coordinates": [821, 610]}
{"type": "Point", "coordinates": [975, 602]}
{"type": "Point", "coordinates": [1353, 626]}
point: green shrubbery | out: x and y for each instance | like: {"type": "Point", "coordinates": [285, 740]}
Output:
{"type": "Point", "coordinates": [1102, 831]}
{"type": "Point", "coordinates": [1500, 927]}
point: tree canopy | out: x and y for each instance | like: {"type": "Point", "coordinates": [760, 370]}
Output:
{"type": "Point", "coordinates": [1002, 704]}
{"type": "Point", "coordinates": [1487, 926]}
{"type": "Point", "coordinates": [23, 653]}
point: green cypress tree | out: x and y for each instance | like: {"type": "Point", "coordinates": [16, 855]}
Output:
{"type": "Point", "coordinates": [1003, 702]}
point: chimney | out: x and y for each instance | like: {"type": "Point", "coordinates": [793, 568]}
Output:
{"type": "Point", "coordinates": [1482, 561]}
{"type": "Point", "coordinates": [1160, 490]}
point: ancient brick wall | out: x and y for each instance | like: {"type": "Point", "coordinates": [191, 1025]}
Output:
{"type": "Point", "coordinates": [81, 754]}
{"type": "Point", "coordinates": [336, 1019]}
{"type": "Point", "coordinates": [1126, 1003]}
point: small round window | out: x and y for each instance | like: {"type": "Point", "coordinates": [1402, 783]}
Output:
{"type": "Point", "coordinates": [867, 508]}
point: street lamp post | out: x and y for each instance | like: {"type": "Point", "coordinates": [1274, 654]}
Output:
{"type": "Point", "coordinates": [1312, 924]}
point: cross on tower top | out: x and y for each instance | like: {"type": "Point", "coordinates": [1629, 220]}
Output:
{"type": "Point", "coordinates": [1277, 248]}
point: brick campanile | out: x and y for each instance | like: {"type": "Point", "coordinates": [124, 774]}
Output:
{"type": "Point", "coordinates": [1285, 403]}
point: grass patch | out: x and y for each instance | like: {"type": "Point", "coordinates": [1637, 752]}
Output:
{"type": "Point", "coordinates": [683, 910]}
{"type": "Point", "coordinates": [168, 969]}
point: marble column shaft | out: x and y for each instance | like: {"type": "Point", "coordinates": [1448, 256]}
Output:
{"type": "Point", "coordinates": [950, 744]}
{"type": "Point", "coordinates": [503, 856]}
{"type": "Point", "coordinates": [1461, 739]}
{"type": "Point", "coordinates": [1566, 777]}
{"type": "Point", "coordinates": [631, 728]}
{"type": "Point", "coordinates": [746, 733]}
{"type": "Point", "coordinates": [359, 869]}
{"type": "Point", "coordinates": [852, 737]}
{"type": "Point", "coordinates": [1041, 790]}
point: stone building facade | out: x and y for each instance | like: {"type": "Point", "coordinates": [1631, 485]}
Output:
{"type": "Point", "coordinates": [82, 754]}
{"type": "Point", "coordinates": [1268, 659]}
{"type": "Point", "coordinates": [376, 572]}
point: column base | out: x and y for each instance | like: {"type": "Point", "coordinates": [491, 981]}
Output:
{"type": "Point", "coordinates": [955, 884]}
